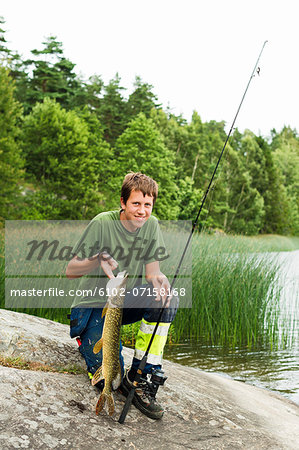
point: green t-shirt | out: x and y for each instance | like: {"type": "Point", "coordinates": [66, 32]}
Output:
{"type": "Point", "coordinates": [132, 251]}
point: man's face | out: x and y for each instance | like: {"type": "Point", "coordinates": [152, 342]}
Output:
{"type": "Point", "coordinates": [137, 210]}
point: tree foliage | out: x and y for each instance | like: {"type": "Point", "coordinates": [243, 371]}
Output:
{"type": "Point", "coordinates": [141, 148]}
{"type": "Point", "coordinates": [61, 157]}
{"type": "Point", "coordinates": [76, 139]}
{"type": "Point", "coordinates": [11, 161]}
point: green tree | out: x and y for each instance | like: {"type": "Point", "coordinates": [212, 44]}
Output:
{"type": "Point", "coordinates": [60, 157]}
{"type": "Point", "coordinates": [189, 199]}
{"type": "Point", "coordinates": [14, 63]}
{"type": "Point", "coordinates": [174, 134]}
{"type": "Point", "coordinates": [52, 76]}
{"type": "Point", "coordinates": [273, 192]}
{"type": "Point", "coordinates": [142, 99]}
{"type": "Point", "coordinates": [141, 149]}
{"type": "Point", "coordinates": [190, 150]}
{"type": "Point", "coordinates": [241, 207]}
{"type": "Point", "coordinates": [112, 110]}
{"type": "Point", "coordinates": [100, 148]}
{"type": "Point", "coordinates": [4, 51]}
{"type": "Point", "coordinates": [11, 162]}
{"type": "Point", "coordinates": [89, 94]}
{"type": "Point", "coordinates": [285, 146]}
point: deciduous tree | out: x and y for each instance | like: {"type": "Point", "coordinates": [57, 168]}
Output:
{"type": "Point", "coordinates": [141, 149]}
{"type": "Point", "coordinates": [11, 162]}
{"type": "Point", "coordinates": [60, 155]}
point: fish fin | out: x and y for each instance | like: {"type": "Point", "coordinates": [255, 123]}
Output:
{"type": "Point", "coordinates": [101, 403]}
{"type": "Point", "coordinates": [110, 401]}
{"type": "Point", "coordinates": [97, 376]}
{"type": "Point", "coordinates": [105, 309]}
{"type": "Point", "coordinates": [98, 346]}
{"type": "Point", "coordinates": [116, 382]}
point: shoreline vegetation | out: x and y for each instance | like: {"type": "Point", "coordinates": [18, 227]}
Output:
{"type": "Point", "coordinates": [235, 296]}
{"type": "Point", "coordinates": [235, 299]}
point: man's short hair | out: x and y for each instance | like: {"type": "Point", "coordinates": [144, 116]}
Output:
{"type": "Point", "coordinates": [139, 182]}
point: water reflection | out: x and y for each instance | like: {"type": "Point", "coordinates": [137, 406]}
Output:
{"type": "Point", "coordinates": [276, 370]}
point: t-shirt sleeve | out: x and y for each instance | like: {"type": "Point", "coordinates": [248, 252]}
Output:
{"type": "Point", "coordinates": [89, 244]}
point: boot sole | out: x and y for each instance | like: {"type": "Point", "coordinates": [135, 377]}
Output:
{"type": "Point", "coordinates": [152, 415]}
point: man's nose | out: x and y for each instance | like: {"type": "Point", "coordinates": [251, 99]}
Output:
{"type": "Point", "coordinates": [141, 209]}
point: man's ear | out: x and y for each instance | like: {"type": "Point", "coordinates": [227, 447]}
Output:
{"type": "Point", "coordinates": [122, 203]}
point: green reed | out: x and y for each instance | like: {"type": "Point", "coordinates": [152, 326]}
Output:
{"type": "Point", "coordinates": [233, 297]}
{"type": "Point", "coordinates": [234, 300]}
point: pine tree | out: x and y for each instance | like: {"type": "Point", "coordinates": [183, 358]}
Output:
{"type": "Point", "coordinates": [53, 76]}
{"type": "Point", "coordinates": [142, 99]}
{"type": "Point", "coordinates": [112, 110]}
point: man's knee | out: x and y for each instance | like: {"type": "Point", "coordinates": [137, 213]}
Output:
{"type": "Point", "coordinates": [168, 315]}
{"type": "Point", "coordinates": [170, 312]}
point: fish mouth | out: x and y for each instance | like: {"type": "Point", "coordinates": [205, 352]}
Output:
{"type": "Point", "coordinates": [123, 274]}
{"type": "Point", "coordinates": [114, 284]}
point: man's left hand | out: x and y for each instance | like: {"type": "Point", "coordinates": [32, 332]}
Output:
{"type": "Point", "coordinates": [161, 285]}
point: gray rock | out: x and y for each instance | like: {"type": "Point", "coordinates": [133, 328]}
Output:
{"type": "Point", "coordinates": [57, 410]}
{"type": "Point", "coordinates": [39, 340]}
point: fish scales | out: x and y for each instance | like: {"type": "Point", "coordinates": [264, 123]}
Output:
{"type": "Point", "coordinates": [110, 370]}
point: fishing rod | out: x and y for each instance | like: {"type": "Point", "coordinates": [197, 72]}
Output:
{"type": "Point", "coordinates": [144, 359]}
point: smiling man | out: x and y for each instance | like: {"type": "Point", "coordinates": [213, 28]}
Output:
{"type": "Point", "coordinates": [127, 240]}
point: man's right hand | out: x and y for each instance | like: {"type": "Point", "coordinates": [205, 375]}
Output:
{"type": "Point", "coordinates": [78, 267]}
{"type": "Point", "coordinates": [108, 264]}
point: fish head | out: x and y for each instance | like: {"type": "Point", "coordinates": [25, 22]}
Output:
{"type": "Point", "coordinates": [116, 289]}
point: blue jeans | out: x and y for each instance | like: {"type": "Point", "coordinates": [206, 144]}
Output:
{"type": "Point", "coordinates": [88, 323]}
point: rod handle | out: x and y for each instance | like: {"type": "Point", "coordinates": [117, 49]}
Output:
{"type": "Point", "coordinates": [127, 405]}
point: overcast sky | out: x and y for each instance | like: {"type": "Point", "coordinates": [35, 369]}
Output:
{"type": "Point", "coordinates": [198, 54]}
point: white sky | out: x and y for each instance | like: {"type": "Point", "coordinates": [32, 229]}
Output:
{"type": "Point", "coordinates": [198, 54]}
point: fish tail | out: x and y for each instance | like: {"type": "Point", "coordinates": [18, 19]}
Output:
{"type": "Point", "coordinates": [110, 401]}
{"type": "Point", "coordinates": [101, 403]}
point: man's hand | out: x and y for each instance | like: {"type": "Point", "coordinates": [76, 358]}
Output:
{"type": "Point", "coordinates": [159, 281]}
{"type": "Point", "coordinates": [108, 264]}
{"type": "Point", "coordinates": [162, 286]}
{"type": "Point", "coordinates": [78, 267]}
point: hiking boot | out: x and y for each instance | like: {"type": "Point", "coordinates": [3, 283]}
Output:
{"type": "Point", "coordinates": [144, 398]}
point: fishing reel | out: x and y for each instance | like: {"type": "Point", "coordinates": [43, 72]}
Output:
{"type": "Point", "coordinates": [157, 379]}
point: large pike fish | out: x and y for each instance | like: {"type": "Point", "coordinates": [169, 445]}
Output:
{"type": "Point", "coordinates": [110, 370]}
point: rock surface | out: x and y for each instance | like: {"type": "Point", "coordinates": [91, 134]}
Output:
{"type": "Point", "coordinates": [57, 410]}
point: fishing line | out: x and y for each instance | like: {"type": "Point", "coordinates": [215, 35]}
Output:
{"type": "Point", "coordinates": [144, 359]}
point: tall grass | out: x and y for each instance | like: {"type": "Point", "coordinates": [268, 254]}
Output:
{"type": "Point", "coordinates": [58, 314]}
{"type": "Point", "coordinates": [233, 298]}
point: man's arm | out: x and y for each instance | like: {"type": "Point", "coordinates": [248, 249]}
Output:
{"type": "Point", "coordinates": [77, 267]}
{"type": "Point", "coordinates": [159, 281]}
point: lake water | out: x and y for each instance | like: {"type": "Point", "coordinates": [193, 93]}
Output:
{"type": "Point", "coordinates": [277, 370]}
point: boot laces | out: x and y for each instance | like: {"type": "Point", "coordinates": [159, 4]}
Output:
{"type": "Point", "coordinates": [145, 390]}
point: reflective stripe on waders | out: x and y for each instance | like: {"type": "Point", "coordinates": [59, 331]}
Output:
{"type": "Point", "coordinates": [143, 337]}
